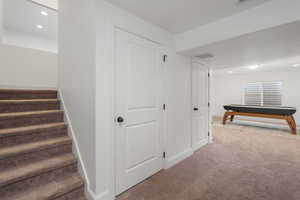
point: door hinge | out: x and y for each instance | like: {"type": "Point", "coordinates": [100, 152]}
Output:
{"type": "Point", "coordinates": [208, 133]}
{"type": "Point", "coordinates": [165, 58]}
{"type": "Point", "coordinates": [164, 106]}
{"type": "Point", "coordinates": [208, 104]}
{"type": "Point", "coordinates": [164, 154]}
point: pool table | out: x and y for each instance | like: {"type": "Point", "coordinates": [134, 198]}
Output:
{"type": "Point", "coordinates": [284, 113]}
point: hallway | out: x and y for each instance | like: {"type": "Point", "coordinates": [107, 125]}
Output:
{"type": "Point", "coordinates": [243, 163]}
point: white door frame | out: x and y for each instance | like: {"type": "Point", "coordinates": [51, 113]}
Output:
{"type": "Point", "coordinates": [207, 64]}
{"type": "Point", "coordinates": [163, 141]}
{"type": "Point", "coordinates": [210, 106]}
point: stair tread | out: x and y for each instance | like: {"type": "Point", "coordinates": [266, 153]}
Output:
{"type": "Point", "coordinates": [52, 190]}
{"type": "Point", "coordinates": [50, 91]}
{"type": "Point", "coordinates": [25, 114]}
{"type": "Point", "coordinates": [35, 168]}
{"type": "Point", "coordinates": [29, 129]}
{"type": "Point", "coordinates": [22, 101]}
{"type": "Point", "coordinates": [33, 146]}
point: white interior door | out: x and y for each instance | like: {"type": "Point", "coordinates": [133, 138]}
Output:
{"type": "Point", "coordinates": [200, 102]}
{"type": "Point", "coordinates": [138, 137]}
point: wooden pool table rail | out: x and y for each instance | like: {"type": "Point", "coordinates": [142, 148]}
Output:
{"type": "Point", "coordinates": [288, 118]}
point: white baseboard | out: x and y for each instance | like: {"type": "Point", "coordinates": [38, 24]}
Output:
{"type": "Point", "coordinates": [211, 139]}
{"type": "Point", "coordinates": [103, 196]}
{"type": "Point", "coordinates": [178, 158]}
{"type": "Point", "coordinates": [200, 144]}
{"type": "Point", "coordinates": [76, 150]}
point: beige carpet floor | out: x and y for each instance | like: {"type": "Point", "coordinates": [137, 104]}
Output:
{"type": "Point", "coordinates": [243, 163]}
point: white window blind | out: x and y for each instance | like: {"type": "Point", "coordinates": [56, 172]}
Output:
{"type": "Point", "coordinates": [253, 94]}
{"type": "Point", "coordinates": [263, 94]}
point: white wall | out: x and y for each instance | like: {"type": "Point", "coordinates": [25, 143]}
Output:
{"type": "Point", "coordinates": [27, 68]}
{"type": "Point", "coordinates": [23, 67]}
{"type": "Point", "coordinates": [86, 79]}
{"type": "Point", "coordinates": [1, 17]}
{"type": "Point", "coordinates": [76, 80]}
{"type": "Point", "coordinates": [179, 134]}
{"type": "Point", "coordinates": [19, 39]}
{"type": "Point", "coordinates": [229, 88]}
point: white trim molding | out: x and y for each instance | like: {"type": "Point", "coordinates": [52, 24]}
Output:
{"type": "Point", "coordinates": [178, 158]}
{"type": "Point", "coordinates": [103, 196]}
{"type": "Point", "coordinates": [76, 150]}
{"type": "Point", "coordinates": [201, 144]}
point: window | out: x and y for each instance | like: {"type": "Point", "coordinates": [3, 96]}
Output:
{"type": "Point", "coordinates": [263, 94]}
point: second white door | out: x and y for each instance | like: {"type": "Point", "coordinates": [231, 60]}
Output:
{"type": "Point", "coordinates": [200, 101]}
{"type": "Point", "coordinates": [138, 110]}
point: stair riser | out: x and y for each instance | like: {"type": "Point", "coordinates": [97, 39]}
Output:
{"type": "Point", "coordinates": [33, 137]}
{"type": "Point", "coordinates": [36, 181]}
{"type": "Point", "coordinates": [28, 158]}
{"type": "Point", "coordinates": [77, 194]}
{"type": "Point", "coordinates": [19, 96]}
{"type": "Point", "coordinates": [31, 120]}
{"type": "Point", "coordinates": [26, 107]}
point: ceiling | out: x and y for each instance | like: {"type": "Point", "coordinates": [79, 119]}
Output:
{"type": "Point", "coordinates": [173, 15]}
{"type": "Point", "coordinates": [178, 16]}
{"type": "Point", "coordinates": [23, 16]}
{"type": "Point", "coordinates": [52, 4]}
{"type": "Point", "coordinates": [284, 64]}
{"type": "Point", "coordinates": [267, 46]}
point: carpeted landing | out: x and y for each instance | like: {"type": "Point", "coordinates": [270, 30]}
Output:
{"type": "Point", "coordinates": [243, 163]}
{"type": "Point", "coordinates": [36, 159]}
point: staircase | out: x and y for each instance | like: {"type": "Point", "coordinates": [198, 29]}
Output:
{"type": "Point", "coordinates": [36, 159]}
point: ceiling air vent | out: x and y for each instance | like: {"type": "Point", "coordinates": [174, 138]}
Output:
{"type": "Point", "coordinates": [205, 56]}
{"type": "Point", "coordinates": [242, 1]}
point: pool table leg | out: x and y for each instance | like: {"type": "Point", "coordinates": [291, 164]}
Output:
{"type": "Point", "coordinates": [292, 123]}
{"type": "Point", "coordinates": [231, 118]}
{"type": "Point", "coordinates": [226, 114]}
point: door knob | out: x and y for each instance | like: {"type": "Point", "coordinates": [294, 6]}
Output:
{"type": "Point", "coordinates": [120, 119]}
{"type": "Point", "coordinates": [196, 109]}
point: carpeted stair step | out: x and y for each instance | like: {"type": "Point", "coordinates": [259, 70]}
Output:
{"type": "Point", "coordinates": [13, 136]}
{"type": "Point", "coordinates": [55, 189]}
{"type": "Point", "coordinates": [16, 150]}
{"type": "Point", "coordinates": [13, 120]}
{"type": "Point", "coordinates": [35, 168]}
{"type": "Point", "coordinates": [9, 106]}
{"type": "Point", "coordinates": [6, 94]}
{"type": "Point", "coordinates": [34, 156]}
{"type": "Point", "coordinates": [78, 194]}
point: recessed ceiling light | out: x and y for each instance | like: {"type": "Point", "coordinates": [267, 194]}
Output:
{"type": "Point", "coordinates": [39, 26]}
{"type": "Point", "coordinates": [296, 65]}
{"type": "Point", "coordinates": [230, 72]}
{"type": "Point", "coordinates": [44, 13]}
{"type": "Point", "coordinates": [253, 67]}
